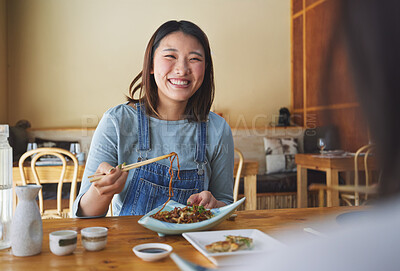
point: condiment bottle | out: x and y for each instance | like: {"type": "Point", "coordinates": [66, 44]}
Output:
{"type": "Point", "coordinates": [6, 195]}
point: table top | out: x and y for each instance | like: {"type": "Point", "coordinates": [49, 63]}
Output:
{"type": "Point", "coordinates": [125, 233]}
{"type": "Point", "coordinates": [343, 163]}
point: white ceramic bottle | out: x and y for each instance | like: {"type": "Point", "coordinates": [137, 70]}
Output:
{"type": "Point", "coordinates": [26, 227]}
{"type": "Point", "coordinates": [6, 203]}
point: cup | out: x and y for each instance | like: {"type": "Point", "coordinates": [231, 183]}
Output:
{"type": "Point", "coordinates": [321, 144]}
{"type": "Point", "coordinates": [75, 148]}
{"type": "Point", "coordinates": [94, 238]}
{"type": "Point", "coordinates": [63, 242]}
{"type": "Point", "coordinates": [81, 157]}
{"type": "Point", "coordinates": [31, 146]}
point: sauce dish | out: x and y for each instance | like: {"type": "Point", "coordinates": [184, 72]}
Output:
{"type": "Point", "coordinates": [152, 251]}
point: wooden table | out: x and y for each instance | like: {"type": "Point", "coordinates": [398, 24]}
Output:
{"type": "Point", "coordinates": [51, 174]}
{"type": "Point", "coordinates": [332, 166]}
{"type": "Point", "coordinates": [125, 233]}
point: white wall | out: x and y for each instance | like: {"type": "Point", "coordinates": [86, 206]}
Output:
{"type": "Point", "coordinates": [72, 60]}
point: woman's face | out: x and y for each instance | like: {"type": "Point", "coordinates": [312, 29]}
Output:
{"type": "Point", "coordinates": [178, 67]}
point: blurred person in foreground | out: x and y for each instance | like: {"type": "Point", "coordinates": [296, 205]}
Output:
{"type": "Point", "coordinates": [371, 29]}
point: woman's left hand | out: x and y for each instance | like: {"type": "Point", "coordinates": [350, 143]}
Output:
{"type": "Point", "coordinates": [206, 199]}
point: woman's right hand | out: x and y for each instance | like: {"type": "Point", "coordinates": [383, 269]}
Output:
{"type": "Point", "coordinates": [96, 200]}
{"type": "Point", "coordinates": [113, 181]}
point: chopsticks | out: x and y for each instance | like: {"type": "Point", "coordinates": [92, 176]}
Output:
{"type": "Point", "coordinates": [315, 232]}
{"type": "Point", "coordinates": [132, 166]}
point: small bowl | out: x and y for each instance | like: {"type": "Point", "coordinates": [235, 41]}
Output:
{"type": "Point", "coordinates": [152, 251]}
{"type": "Point", "coordinates": [63, 242]}
{"type": "Point", "coordinates": [94, 238]}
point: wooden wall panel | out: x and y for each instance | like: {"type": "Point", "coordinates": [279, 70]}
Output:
{"type": "Point", "coordinates": [339, 86]}
{"type": "Point", "coordinates": [330, 71]}
{"type": "Point", "coordinates": [297, 66]}
{"type": "Point", "coordinates": [310, 2]}
{"type": "Point", "coordinates": [349, 121]}
{"type": "Point", "coordinates": [319, 25]}
{"type": "Point", "coordinates": [328, 92]}
{"type": "Point", "coordinates": [297, 117]}
{"type": "Point", "coordinates": [297, 5]}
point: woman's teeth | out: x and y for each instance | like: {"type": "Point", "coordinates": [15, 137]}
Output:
{"type": "Point", "coordinates": [179, 82]}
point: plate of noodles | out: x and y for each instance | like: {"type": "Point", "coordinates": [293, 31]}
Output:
{"type": "Point", "coordinates": [177, 218]}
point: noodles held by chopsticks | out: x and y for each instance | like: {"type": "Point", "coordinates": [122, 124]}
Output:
{"type": "Point", "coordinates": [171, 174]}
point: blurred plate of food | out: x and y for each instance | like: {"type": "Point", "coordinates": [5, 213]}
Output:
{"type": "Point", "coordinates": [232, 247]}
{"type": "Point", "coordinates": [186, 223]}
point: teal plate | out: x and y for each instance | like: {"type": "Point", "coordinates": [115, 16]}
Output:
{"type": "Point", "coordinates": [165, 228]}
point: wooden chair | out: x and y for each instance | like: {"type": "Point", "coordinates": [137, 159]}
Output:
{"type": "Point", "coordinates": [238, 173]}
{"type": "Point", "coordinates": [60, 153]}
{"type": "Point", "coordinates": [352, 195]}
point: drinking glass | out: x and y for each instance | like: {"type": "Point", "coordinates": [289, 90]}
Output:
{"type": "Point", "coordinates": [31, 146]}
{"type": "Point", "coordinates": [75, 148]}
{"type": "Point", "coordinates": [321, 144]}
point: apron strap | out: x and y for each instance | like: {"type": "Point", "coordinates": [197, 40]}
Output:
{"type": "Point", "coordinates": [200, 158]}
{"type": "Point", "coordinates": [143, 131]}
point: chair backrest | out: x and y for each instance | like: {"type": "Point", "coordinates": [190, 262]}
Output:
{"type": "Point", "coordinates": [367, 151]}
{"type": "Point", "coordinates": [238, 173]}
{"type": "Point", "coordinates": [60, 153]}
{"type": "Point", "coordinates": [351, 193]}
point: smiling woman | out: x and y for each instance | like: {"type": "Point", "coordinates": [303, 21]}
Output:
{"type": "Point", "coordinates": [172, 114]}
{"type": "Point", "coordinates": [178, 57]}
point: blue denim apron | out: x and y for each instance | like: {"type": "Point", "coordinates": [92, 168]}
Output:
{"type": "Point", "coordinates": [149, 186]}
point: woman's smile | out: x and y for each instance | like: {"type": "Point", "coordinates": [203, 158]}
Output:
{"type": "Point", "coordinates": [179, 82]}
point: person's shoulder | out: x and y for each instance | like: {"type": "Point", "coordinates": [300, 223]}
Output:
{"type": "Point", "coordinates": [216, 119]}
{"type": "Point", "coordinates": [218, 125]}
{"type": "Point", "coordinates": [121, 110]}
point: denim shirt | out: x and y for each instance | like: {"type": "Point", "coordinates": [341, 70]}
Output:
{"type": "Point", "coordinates": [115, 141]}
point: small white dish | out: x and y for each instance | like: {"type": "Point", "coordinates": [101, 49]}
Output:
{"type": "Point", "coordinates": [94, 238]}
{"type": "Point", "coordinates": [63, 242]}
{"type": "Point", "coordinates": [152, 251]}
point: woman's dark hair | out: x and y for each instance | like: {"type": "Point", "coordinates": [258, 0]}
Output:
{"type": "Point", "coordinates": [372, 31]}
{"type": "Point", "coordinates": [198, 106]}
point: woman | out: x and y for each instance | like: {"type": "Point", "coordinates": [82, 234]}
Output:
{"type": "Point", "coordinates": [172, 114]}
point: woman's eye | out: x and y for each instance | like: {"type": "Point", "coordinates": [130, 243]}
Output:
{"type": "Point", "coordinates": [170, 56]}
{"type": "Point", "coordinates": [195, 59]}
